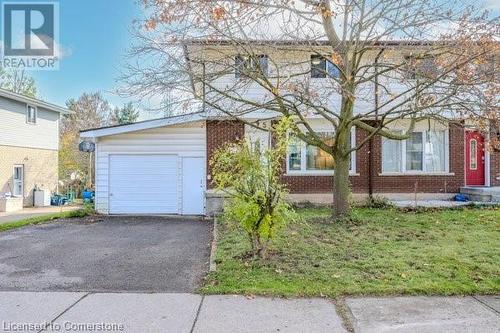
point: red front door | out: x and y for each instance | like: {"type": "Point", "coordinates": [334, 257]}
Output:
{"type": "Point", "coordinates": [474, 158]}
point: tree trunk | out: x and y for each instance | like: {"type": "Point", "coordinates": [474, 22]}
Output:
{"type": "Point", "coordinates": [341, 187]}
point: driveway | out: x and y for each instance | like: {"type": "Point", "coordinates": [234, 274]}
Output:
{"type": "Point", "coordinates": [138, 254]}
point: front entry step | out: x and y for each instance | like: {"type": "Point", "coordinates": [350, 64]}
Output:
{"type": "Point", "coordinates": [482, 193]}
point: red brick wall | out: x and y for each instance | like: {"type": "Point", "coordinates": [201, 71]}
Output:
{"type": "Point", "coordinates": [220, 132]}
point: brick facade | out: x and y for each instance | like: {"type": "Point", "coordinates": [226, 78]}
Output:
{"type": "Point", "coordinates": [40, 168]}
{"type": "Point", "coordinates": [219, 132]}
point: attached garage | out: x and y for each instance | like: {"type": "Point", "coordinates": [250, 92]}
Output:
{"type": "Point", "coordinates": [152, 167]}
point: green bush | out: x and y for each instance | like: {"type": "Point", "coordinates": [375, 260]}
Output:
{"type": "Point", "coordinates": [251, 178]}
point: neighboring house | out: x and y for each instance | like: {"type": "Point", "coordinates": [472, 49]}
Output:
{"type": "Point", "coordinates": [29, 144]}
{"type": "Point", "coordinates": [162, 166]}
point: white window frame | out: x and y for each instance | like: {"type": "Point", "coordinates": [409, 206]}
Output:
{"type": "Point", "coordinates": [14, 181]}
{"type": "Point", "coordinates": [28, 121]}
{"type": "Point", "coordinates": [403, 170]}
{"type": "Point", "coordinates": [303, 159]}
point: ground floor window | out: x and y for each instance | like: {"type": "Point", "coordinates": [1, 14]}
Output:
{"type": "Point", "coordinates": [423, 151]}
{"type": "Point", "coordinates": [18, 180]}
{"type": "Point", "coordinates": [305, 158]}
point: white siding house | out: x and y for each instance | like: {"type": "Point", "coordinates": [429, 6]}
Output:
{"type": "Point", "coordinates": [15, 130]}
{"type": "Point", "coordinates": [29, 144]}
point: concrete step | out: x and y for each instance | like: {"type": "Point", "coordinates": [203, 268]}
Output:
{"type": "Point", "coordinates": [482, 193]}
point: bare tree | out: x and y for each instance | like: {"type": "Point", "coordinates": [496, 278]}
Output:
{"type": "Point", "coordinates": [90, 110]}
{"type": "Point", "coordinates": [380, 61]}
{"type": "Point", "coordinates": [18, 81]}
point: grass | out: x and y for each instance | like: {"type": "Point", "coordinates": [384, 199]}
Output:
{"type": "Point", "coordinates": [385, 252]}
{"type": "Point", "coordinates": [46, 218]}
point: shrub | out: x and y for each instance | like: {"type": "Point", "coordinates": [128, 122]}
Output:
{"type": "Point", "coordinates": [251, 178]}
{"type": "Point", "coordinates": [378, 202]}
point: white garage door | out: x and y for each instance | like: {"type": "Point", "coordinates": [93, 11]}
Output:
{"type": "Point", "coordinates": [143, 184]}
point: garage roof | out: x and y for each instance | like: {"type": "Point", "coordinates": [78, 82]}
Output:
{"type": "Point", "coordinates": [142, 125]}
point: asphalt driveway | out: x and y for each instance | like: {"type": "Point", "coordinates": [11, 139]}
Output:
{"type": "Point", "coordinates": [138, 254]}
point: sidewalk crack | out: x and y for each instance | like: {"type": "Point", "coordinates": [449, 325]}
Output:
{"type": "Point", "coordinates": [65, 310]}
{"type": "Point", "coordinates": [197, 314]}
{"type": "Point", "coordinates": [487, 305]}
{"type": "Point", "coordinates": [344, 312]}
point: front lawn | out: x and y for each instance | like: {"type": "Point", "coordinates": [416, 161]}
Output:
{"type": "Point", "coordinates": [387, 251]}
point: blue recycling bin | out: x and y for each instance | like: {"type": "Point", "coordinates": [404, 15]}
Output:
{"type": "Point", "coordinates": [58, 200]}
{"type": "Point", "coordinates": [88, 196]}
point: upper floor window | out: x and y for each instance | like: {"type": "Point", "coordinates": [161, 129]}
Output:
{"type": "Point", "coordinates": [321, 67]}
{"type": "Point", "coordinates": [31, 114]}
{"type": "Point", "coordinates": [246, 66]}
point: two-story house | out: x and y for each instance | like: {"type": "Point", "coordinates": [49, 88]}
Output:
{"type": "Point", "coordinates": [29, 144]}
{"type": "Point", "coordinates": [162, 166]}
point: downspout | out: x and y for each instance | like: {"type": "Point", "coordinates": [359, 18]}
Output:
{"type": "Point", "coordinates": [204, 88]}
{"type": "Point", "coordinates": [371, 143]}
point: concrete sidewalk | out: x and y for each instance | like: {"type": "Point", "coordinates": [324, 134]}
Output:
{"type": "Point", "coordinates": [87, 312]}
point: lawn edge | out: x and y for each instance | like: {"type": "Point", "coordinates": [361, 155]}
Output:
{"type": "Point", "coordinates": [44, 218]}
{"type": "Point", "coordinates": [213, 248]}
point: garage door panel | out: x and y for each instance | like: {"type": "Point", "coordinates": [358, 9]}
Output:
{"type": "Point", "coordinates": [143, 184]}
{"type": "Point", "coordinates": [146, 180]}
{"type": "Point", "coordinates": [151, 168]}
{"type": "Point", "coordinates": [140, 210]}
{"type": "Point", "coordinates": [150, 197]}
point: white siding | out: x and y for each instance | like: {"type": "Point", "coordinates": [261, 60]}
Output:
{"type": "Point", "coordinates": [181, 140]}
{"type": "Point", "coordinates": [15, 131]}
{"type": "Point", "coordinates": [287, 61]}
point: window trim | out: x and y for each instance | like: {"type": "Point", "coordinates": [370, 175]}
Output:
{"type": "Point", "coordinates": [14, 180]}
{"type": "Point", "coordinates": [403, 170]}
{"type": "Point", "coordinates": [303, 161]}
{"type": "Point", "coordinates": [473, 157]}
{"type": "Point", "coordinates": [28, 106]}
